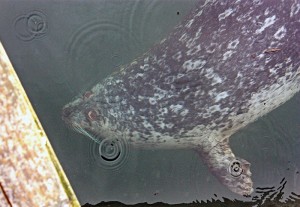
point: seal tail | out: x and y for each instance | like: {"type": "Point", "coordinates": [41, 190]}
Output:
{"type": "Point", "coordinates": [231, 171]}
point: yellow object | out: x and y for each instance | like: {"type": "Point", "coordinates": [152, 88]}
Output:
{"type": "Point", "coordinates": [30, 173]}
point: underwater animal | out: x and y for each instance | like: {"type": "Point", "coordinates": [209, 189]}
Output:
{"type": "Point", "coordinates": [224, 66]}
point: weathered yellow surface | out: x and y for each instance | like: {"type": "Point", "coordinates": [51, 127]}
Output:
{"type": "Point", "coordinates": [30, 174]}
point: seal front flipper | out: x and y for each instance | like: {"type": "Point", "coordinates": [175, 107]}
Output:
{"type": "Point", "coordinates": [231, 171]}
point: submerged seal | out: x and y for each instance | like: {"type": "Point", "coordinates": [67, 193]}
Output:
{"type": "Point", "coordinates": [224, 66]}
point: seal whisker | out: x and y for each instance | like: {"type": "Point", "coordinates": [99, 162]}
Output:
{"type": "Point", "coordinates": [84, 132]}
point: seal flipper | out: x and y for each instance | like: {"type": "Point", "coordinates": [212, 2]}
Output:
{"type": "Point", "coordinates": [231, 171]}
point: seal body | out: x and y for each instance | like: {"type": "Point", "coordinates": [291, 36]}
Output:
{"type": "Point", "coordinates": [224, 66]}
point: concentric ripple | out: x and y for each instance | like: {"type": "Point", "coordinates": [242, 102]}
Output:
{"type": "Point", "coordinates": [110, 154]}
{"type": "Point", "coordinates": [31, 26]}
{"type": "Point", "coordinates": [235, 168]}
{"type": "Point", "coordinates": [95, 50]}
{"type": "Point", "coordinates": [145, 16]}
{"type": "Point", "coordinates": [141, 15]}
{"type": "Point", "coordinates": [153, 7]}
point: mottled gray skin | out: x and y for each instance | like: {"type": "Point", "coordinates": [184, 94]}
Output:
{"type": "Point", "coordinates": [224, 66]}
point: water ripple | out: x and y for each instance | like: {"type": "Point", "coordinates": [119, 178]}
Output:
{"type": "Point", "coordinates": [110, 154]}
{"type": "Point", "coordinates": [96, 50]}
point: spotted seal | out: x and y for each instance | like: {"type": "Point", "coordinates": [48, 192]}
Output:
{"type": "Point", "coordinates": [224, 66]}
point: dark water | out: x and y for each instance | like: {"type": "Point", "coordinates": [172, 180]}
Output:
{"type": "Point", "coordinates": [59, 49]}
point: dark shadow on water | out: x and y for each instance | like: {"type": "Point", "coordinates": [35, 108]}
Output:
{"type": "Point", "coordinates": [263, 197]}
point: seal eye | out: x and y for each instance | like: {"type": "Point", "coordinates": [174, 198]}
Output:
{"type": "Point", "coordinates": [92, 115]}
{"type": "Point", "coordinates": [87, 94]}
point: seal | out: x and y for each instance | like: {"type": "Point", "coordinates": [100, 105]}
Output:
{"type": "Point", "coordinates": [227, 64]}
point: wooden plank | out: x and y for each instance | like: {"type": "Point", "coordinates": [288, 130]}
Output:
{"type": "Point", "coordinates": [30, 173]}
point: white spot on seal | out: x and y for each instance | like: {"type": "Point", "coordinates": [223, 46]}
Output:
{"type": "Point", "coordinates": [146, 124]}
{"type": "Point", "coordinates": [194, 50]}
{"type": "Point", "coordinates": [177, 56]}
{"type": "Point", "coordinates": [161, 124]}
{"type": "Point", "coordinates": [163, 111]}
{"type": "Point", "coordinates": [191, 42]}
{"type": "Point", "coordinates": [214, 108]}
{"type": "Point", "coordinates": [138, 75]}
{"type": "Point", "coordinates": [209, 73]}
{"type": "Point", "coordinates": [189, 24]}
{"type": "Point", "coordinates": [281, 32]}
{"type": "Point", "coordinates": [211, 48]}
{"type": "Point", "coordinates": [221, 95]}
{"type": "Point", "coordinates": [233, 44]}
{"type": "Point", "coordinates": [141, 98]}
{"type": "Point", "coordinates": [225, 14]}
{"type": "Point", "coordinates": [184, 112]}
{"type": "Point", "coordinates": [257, 2]}
{"type": "Point", "coordinates": [294, 9]}
{"type": "Point", "coordinates": [183, 38]}
{"type": "Point", "coordinates": [227, 54]}
{"type": "Point", "coordinates": [268, 22]}
{"type": "Point", "coordinates": [216, 79]}
{"type": "Point", "coordinates": [176, 108]}
{"type": "Point", "coordinates": [193, 65]}
{"type": "Point", "coordinates": [169, 125]}
{"type": "Point", "coordinates": [198, 33]}
{"type": "Point", "coordinates": [273, 71]}
{"type": "Point", "coordinates": [152, 101]}
{"type": "Point", "coordinates": [199, 13]}
{"type": "Point", "coordinates": [145, 67]}
{"type": "Point", "coordinates": [131, 109]}
{"type": "Point", "coordinates": [267, 11]}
